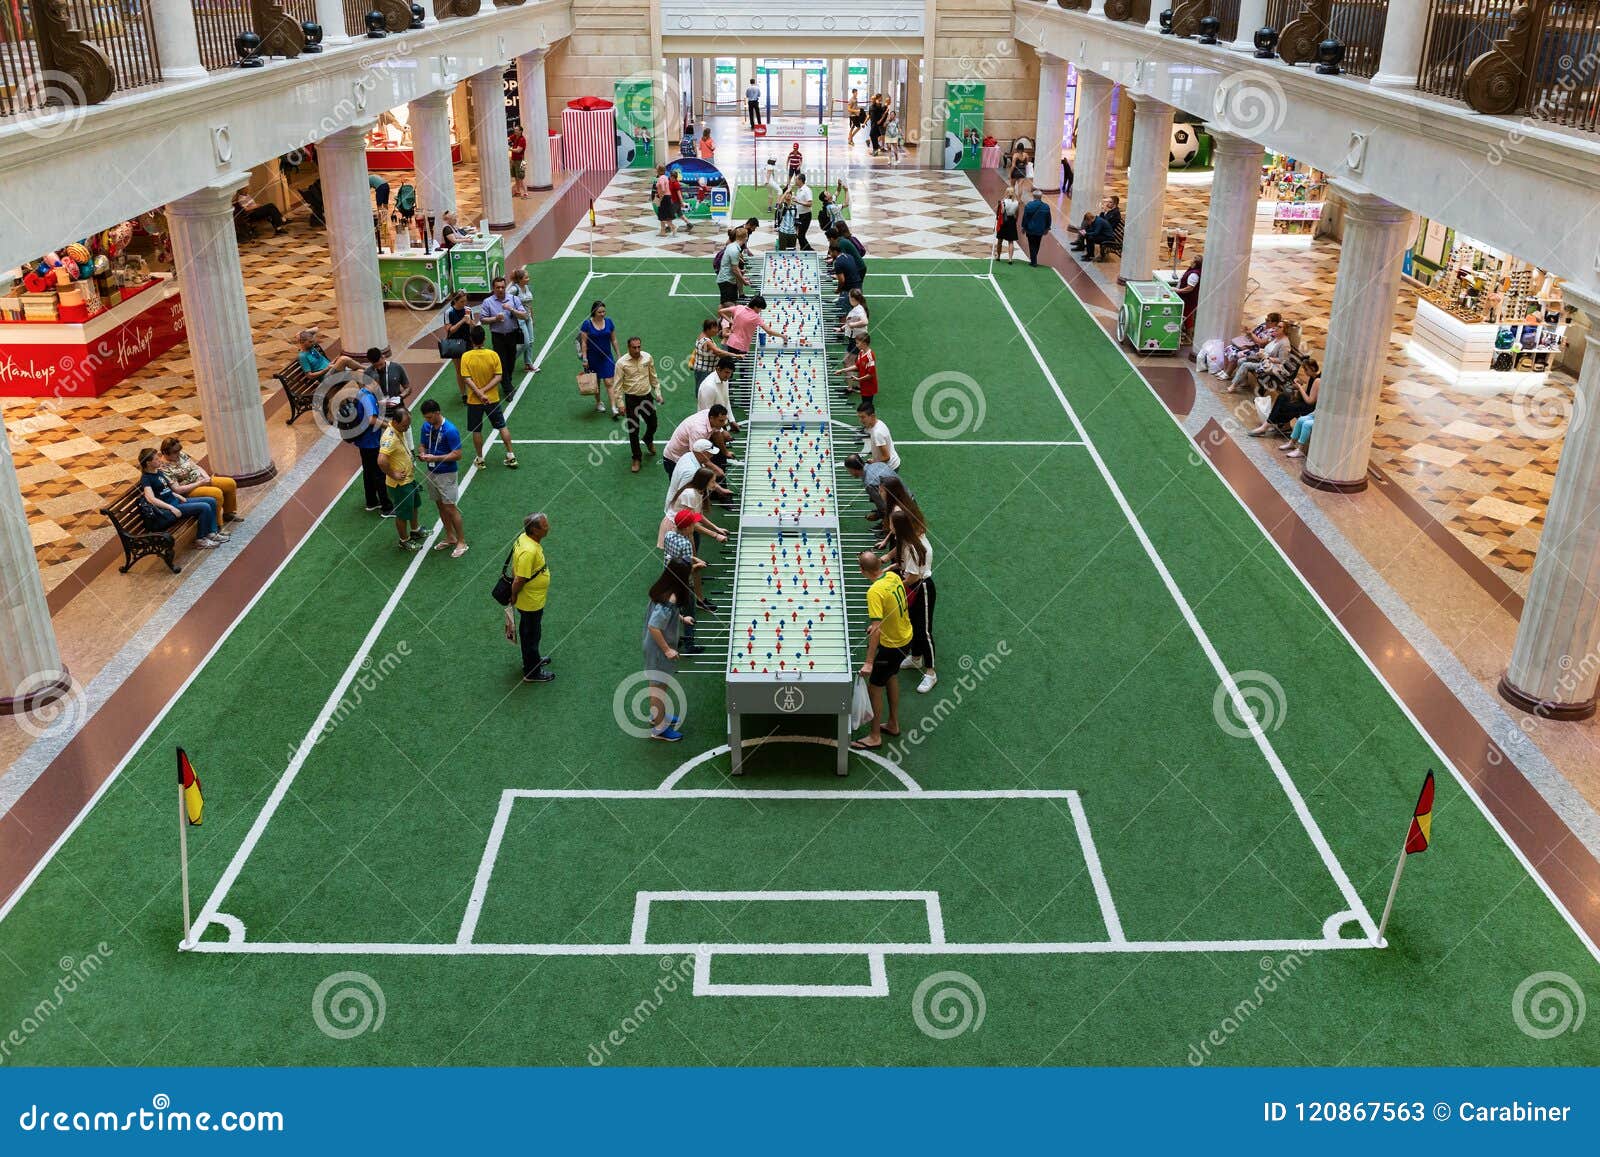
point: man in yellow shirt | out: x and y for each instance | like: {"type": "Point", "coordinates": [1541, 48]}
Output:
{"type": "Point", "coordinates": [530, 585]}
{"type": "Point", "coordinates": [394, 454]}
{"type": "Point", "coordinates": [482, 370]}
{"type": "Point", "coordinates": [888, 644]}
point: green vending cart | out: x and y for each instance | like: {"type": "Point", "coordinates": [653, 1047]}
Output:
{"type": "Point", "coordinates": [1151, 320]}
{"type": "Point", "coordinates": [475, 264]}
{"type": "Point", "coordinates": [414, 278]}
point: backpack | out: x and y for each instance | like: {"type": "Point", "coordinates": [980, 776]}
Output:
{"type": "Point", "coordinates": [405, 201]}
{"type": "Point", "coordinates": [716, 262]}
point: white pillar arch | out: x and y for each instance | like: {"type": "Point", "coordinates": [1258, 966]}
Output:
{"type": "Point", "coordinates": [489, 136]}
{"type": "Point", "coordinates": [1051, 123]}
{"type": "Point", "coordinates": [222, 352]}
{"type": "Point", "coordinates": [1376, 234]}
{"type": "Point", "coordinates": [1094, 130]}
{"type": "Point", "coordinates": [1556, 660]}
{"type": "Point", "coordinates": [1252, 17]}
{"type": "Point", "coordinates": [177, 39]}
{"type": "Point", "coordinates": [347, 204]}
{"type": "Point", "coordinates": [31, 672]}
{"type": "Point", "coordinates": [1147, 188]}
{"type": "Point", "coordinates": [535, 118]}
{"type": "Point", "coordinates": [1230, 236]}
{"type": "Point", "coordinates": [430, 143]}
{"type": "Point", "coordinates": [1404, 32]}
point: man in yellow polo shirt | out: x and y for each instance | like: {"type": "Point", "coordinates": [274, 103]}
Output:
{"type": "Point", "coordinates": [483, 374]}
{"type": "Point", "coordinates": [400, 468]}
{"type": "Point", "coordinates": [888, 644]}
{"type": "Point", "coordinates": [530, 585]}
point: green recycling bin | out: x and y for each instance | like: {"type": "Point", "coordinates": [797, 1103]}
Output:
{"type": "Point", "coordinates": [1151, 320]}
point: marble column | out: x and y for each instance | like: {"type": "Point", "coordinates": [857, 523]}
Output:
{"type": "Point", "coordinates": [347, 202]}
{"type": "Point", "coordinates": [1147, 188]}
{"type": "Point", "coordinates": [177, 39]}
{"type": "Point", "coordinates": [1230, 236]}
{"type": "Point", "coordinates": [1051, 123]}
{"type": "Point", "coordinates": [1556, 659]}
{"type": "Point", "coordinates": [330, 14]}
{"type": "Point", "coordinates": [911, 122]}
{"type": "Point", "coordinates": [489, 136]}
{"type": "Point", "coordinates": [1404, 33]}
{"type": "Point", "coordinates": [1094, 129]}
{"type": "Point", "coordinates": [430, 141]}
{"type": "Point", "coordinates": [31, 674]}
{"type": "Point", "coordinates": [222, 352]}
{"type": "Point", "coordinates": [1253, 16]}
{"type": "Point", "coordinates": [1376, 234]}
{"type": "Point", "coordinates": [535, 118]}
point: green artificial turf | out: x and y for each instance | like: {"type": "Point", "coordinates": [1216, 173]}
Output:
{"type": "Point", "coordinates": [1066, 665]}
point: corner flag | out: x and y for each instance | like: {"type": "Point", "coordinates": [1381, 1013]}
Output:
{"type": "Point", "coordinates": [1421, 820]}
{"type": "Point", "coordinates": [194, 804]}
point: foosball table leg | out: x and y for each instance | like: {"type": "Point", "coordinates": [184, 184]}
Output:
{"type": "Point", "coordinates": [843, 765]}
{"type": "Point", "coordinates": [735, 746]}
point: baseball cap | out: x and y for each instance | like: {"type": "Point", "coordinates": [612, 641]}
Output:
{"type": "Point", "coordinates": [703, 446]}
{"type": "Point", "coordinates": [684, 519]}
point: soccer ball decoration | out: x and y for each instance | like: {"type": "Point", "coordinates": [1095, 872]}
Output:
{"type": "Point", "coordinates": [627, 149]}
{"type": "Point", "coordinates": [952, 151]}
{"type": "Point", "coordinates": [1185, 147]}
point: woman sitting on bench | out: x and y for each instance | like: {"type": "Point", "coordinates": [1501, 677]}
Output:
{"type": "Point", "coordinates": [161, 506]}
{"type": "Point", "coordinates": [190, 480]}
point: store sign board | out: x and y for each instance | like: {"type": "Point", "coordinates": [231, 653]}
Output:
{"type": "Point", "coordinates": [87, 369]}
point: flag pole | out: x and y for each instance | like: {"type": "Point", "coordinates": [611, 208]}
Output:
{"type": "Point", "coordinates": [591, 236]}
{"type": "Point", "coordinates": [183, 859]}
{"type": "Point", "coordinates": [1388, 905]}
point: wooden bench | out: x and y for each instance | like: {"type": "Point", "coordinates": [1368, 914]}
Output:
{"type": "Point", "coordinates": [139, 540]}
{"type": "Point", "coordinates": [1114, 245]}
{"type": "Point", "coordinates": [299, 387]}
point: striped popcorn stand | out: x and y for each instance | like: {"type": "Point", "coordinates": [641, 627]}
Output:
{"type": "Point", "coordinates": [589, 135]}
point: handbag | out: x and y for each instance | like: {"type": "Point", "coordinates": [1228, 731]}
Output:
{"type": "Point", "coordinates": [451, 348]}
{"type": "Point", "coordinates": [589, 384]}
{"type": "Point", "coordinates": [502, 585]}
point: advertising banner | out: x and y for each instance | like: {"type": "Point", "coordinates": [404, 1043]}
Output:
{"type": "Point", "coordinates": [635, 123]}
{"type": "Point", "coordinates": [705, 190]}
{"type": "Point", "coordinates": [963, 125]}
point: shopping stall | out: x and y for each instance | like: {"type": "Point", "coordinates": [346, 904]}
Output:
{"type": "Point", "coordinates": [1292, 194]}
{"type": "Point", "coordinates": [475, 264]}
{"type": "Point", "coordinates": [78, 321]}
{"type": "Point", "coordinates": [414, 277]}
{"type": "Point", "coordinates": [1484, 318]}
{"type": "Point", "coordinates": [389, 146]}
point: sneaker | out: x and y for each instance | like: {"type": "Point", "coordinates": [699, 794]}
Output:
{"type": "Point", "coordinates": [388, 514]}
{"type": "Point", "coordinates": [206, 543]}
{"type": "Point", "coordinates": [539, 676]}
{"type": "Point", "coordinates": [928, 680]}
{"type": "Point", "coordinates": [374, 506]}
{"type": "Point", "coordinates": [910, 661]}
{"type": "Point", "coordinates": [510, 462]}
{"type": "Point", "coordinates": [668, 734]}
{"type": "Point", "coordinates": [735, 462]}
{"type": "Point", "coordinates": [418, 536]}
{"type": "Point", "coordinates": [235, 518]}
{"type": "Point", "coordinates": [221, 535]}
{"type": "Point", "coordinates": [478, 462]}
{"type": "Point", "coordinates": [409, 545]}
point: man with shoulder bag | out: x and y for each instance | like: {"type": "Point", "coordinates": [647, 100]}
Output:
{"type": "Point", "coordinates": [522, 588]}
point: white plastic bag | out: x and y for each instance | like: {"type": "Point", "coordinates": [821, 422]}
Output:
{"type": "Point", "coordinates": [860, 705]}
{"type": "Point", "coordinates": [1264, 408]}
{"type": "Point", "coordinates": [1209, 357]}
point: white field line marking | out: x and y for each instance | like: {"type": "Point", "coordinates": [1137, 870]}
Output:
{"type": "Point", "coordinates": [1455, 772]}
{"type": "Point", "coordinates": [1097, 874]}
{"type": "Point", "coordinates": [642, 902]}
{"type": "Point", "coordinates": [689, 765]}
{"type": "Point", "coordinates": [657, 793]}
{"type": "Point", "coordinates": [1241, 707]}
{"type": "Point", "coordinates": [907, 282]}
{"type": "Point", "coordinates": [286, 780]}
{"type": "Point", "coordinates": [480, 881]}
{"type": "Point", "coordinates": [160, 716]}
{"type": "Point", "coordinates": [1037, 948]}
{"type": "Point", "coordinates": [877, 985]}
{"type": "Point", "coordinates": [897, 442]}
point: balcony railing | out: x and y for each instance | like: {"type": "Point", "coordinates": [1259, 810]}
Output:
{"type": "Point", "coordinates": [1356, 24]}
{"type": "Point", "coordinates": [99, 48]}
{"type": "Point", "coordinates": [1227, 11]}
{"type": "Point", "coordinates": [1545, 66]}
{"type": "Point", "coordinates": [1129, 11]}
{"type": "Point", "coordinates": [218, 24]}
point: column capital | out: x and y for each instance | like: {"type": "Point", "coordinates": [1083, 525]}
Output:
{"type": "Point", "coordinates": [351, 138]}
{"type": "Point", "coordinates": [1367, 207]}
{"type": "Point", "coordinates": [433, 101]}
{"type": "Point", "coordinates": [1148, 103]}
{"type": "Point", "coordinates": [1094, 80]}
{"type": "Point", "coordinates": [533, 55]}
{"type": "Point", "coordinates": [495, 72]}
{"type": "Point", "coordinates": [1233, 145]}
{"type": "Point", "coordinates": [213, 200]}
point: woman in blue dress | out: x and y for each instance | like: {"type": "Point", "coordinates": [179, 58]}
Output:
{"type": "Point", "coordinates": [597, 350]}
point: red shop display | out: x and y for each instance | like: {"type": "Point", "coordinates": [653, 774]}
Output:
{"type": "Point", "coordinates": [394, 160]}
{"type": "Point", "coordinates": [84, 359]}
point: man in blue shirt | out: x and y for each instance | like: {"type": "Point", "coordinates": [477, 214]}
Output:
{"type": "Point", "coordinates": [1035, 225]}
{"type": "Point", "coordinates": [501, 312]}
{"type": "Point", "coordinates": [440, 450]}
{"type": "Point", "coordinates": [366, 434]}
{"type": "Point", "coordinates": [314, 362]}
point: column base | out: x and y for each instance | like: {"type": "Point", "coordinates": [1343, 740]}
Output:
{"type": "Point", "coordinates": [502, 225]}
{"type": "Point", "coordinates": [1318, 483]}
{"type": "Point", "coordinates": [1544, 708]}
{"type": "Point", "coordinates": [539, 187]}
{"type": "Point", "coordinates": [33, 700]}
{"type": "Point", "coordinates": [258, 477]}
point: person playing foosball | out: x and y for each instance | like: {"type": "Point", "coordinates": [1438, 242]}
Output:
{"type": "Point", "coordinates": [888, 646]}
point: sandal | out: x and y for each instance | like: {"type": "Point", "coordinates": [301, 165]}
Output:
{"type": "Point", "coordinates": [863, 745]}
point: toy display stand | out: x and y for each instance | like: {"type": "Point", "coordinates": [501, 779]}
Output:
{"type": "Point", "coordinates": [1484, 354]}
{"type": "Point", "coordinates": [84, 359]}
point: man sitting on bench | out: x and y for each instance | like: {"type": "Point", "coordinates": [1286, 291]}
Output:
{"type": "Point", "coordinates": [315, 363]}
{"type": "Point", "coordinates": [1101, 231]}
